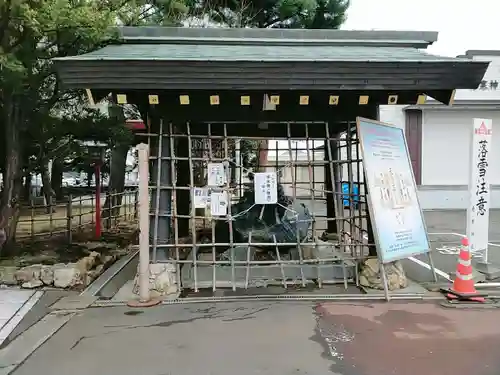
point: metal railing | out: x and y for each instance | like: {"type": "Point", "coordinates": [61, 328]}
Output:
{"type": "Point", "coordinates": [75, 214]}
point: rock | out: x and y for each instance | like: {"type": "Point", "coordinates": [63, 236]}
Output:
{"type": "Point", "coordinates": [94, 274]}
{"type": "Point", "coordinates": [28, 273]}
{"type": "Point", "coordinates": [339, 239]}
{"type": "Point", "coordinates": [91, 245]}
{"type": "Point", "coordinates": [87, 263]}
{"type": "Point", "coordinates": [321, 250]}
{"type": "Point", "coordinates": [162, 280]}
{"type": "Point", "coordinates": [67, 275]}
{"type": "Point", "coordinates": [32, 284]}
{"type": "Point", "coordinates": [108, 259]}
{"type": "Point", "coordinates": [118, 253]}
{"type": "Point", "coordinates": [240, 253]}
{"type": "Point", "coordinates": [8, 275]}
{"type": "Point", "coordinates": [47, 275]}
{"type": "Point", "coordinates": [370, 275]}
{"type": "Point", "coordinates": [99, 269]}
{"type": "Point", "coordinates": [333, 237]}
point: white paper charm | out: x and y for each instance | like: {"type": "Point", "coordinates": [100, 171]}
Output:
{"type": "Point", "coordinates": [266, 188]}
{"type": "Point", "coordinates": [200, 197]}
{"type": "Point", "coordinates": [216, 174]}
{"type": "Point", "coordinates": [218, 203]}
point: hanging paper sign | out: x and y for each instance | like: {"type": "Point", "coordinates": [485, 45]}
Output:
{"type": "Point", "coordinates": [200, 197]}
{"type": "Point", "coordinates": [265, 187]}
{"type": "Point", "coordinates": [218, 203]}
{"type": "Point", "coordinates": [216, 174]}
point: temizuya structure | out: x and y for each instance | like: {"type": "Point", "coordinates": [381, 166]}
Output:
{"type": "Point", "coordinates": [205, 92]}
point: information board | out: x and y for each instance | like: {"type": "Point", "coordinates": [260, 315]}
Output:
{"type": "Point", "coordinates": [397, 219]}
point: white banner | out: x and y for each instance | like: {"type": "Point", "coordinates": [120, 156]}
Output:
{"type": "Point", "coordinates": [478, 211]}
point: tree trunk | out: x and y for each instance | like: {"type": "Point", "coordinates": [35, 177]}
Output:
{"type": "Point", "coordinates": [48, 193]}
{"type": "Point", "coordinates": [56, 179]}
{"type": "Point", "coordinates": [116, 183]}
{"type": "Point", "coordinates": [90, 174]}
{"type": "Point", "coordinates": [9, 207]}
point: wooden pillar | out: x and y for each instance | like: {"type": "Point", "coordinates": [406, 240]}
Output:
{"type": "Point", "coordinates": [160, 206]}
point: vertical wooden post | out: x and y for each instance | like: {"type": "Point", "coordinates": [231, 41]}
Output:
{"type": "Point", "coordinates": [32, 219]}
{"type": "Point", "coordinates": [98, 224]}
{"type": "Point", "coordinates": [144, 295]}
{"type": "Point", "coordinates": [136, 202]}
{"type": "Point", "coordinates": [108, 208]}
{"type": "Point", "coordinates": [69, 218]}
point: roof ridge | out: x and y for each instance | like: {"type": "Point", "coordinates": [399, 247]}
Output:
{"type": "Point", "coordinates": [184, 35]}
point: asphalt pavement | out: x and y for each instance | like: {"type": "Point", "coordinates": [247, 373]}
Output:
{"type": "Point", "coordinates": [273, 338]}
{"type": "Point", "coordinates": [446, 229]}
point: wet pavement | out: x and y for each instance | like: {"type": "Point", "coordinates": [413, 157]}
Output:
{"type": "Point", "coordinates": [446, 228]}
{"type": "Point", "coordinates": [411, 339]}
{"type": "Point", "coordinates": [274, 338]}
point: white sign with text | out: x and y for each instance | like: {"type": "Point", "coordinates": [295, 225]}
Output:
{"type": "Point", "coordinates": [266, 188]}
{"type": "Point", "coordinates": [478, 211]}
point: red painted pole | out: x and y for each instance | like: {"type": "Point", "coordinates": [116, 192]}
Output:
{"type": "Point", "coordinates": [98, 200]}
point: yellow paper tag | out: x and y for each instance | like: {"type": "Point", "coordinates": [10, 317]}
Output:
{"type": "Point", "coordinates": [153, 99]}
{"type": "Point", "coordinates": [304, 100]}
{"type": "Point", "coordinates": [393, 99]}
{"type": "Point", "coordinates": [363, 99]}
{"type": "Point", "coordinates": [121, 99]}
{"type": "Point", "coordinates": [214, 100]}
{"type": "Point", "coordinates": [334, 100]}
{"type": "Point", "coordinates": [184, 99]}
{"type": "Point", "coordinates": [245, 100]}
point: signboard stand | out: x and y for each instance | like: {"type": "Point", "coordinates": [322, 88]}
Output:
{"type": "Point", "coordinates": [384, 281]}
{"type": "Point", "coordinates": [478, 211]}
{"type": "Point", "coordinates": [397, 219]}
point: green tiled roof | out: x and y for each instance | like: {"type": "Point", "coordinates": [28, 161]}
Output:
{"type": "Point", "coordinates": [218, 52]}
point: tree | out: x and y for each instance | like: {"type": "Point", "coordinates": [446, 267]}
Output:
{"type": "Point", "coordinates": [31, 33]}
{"type": "Point", "coordinates": [308, 14]}
{"type": "Point", "coordinates": [32, 105]}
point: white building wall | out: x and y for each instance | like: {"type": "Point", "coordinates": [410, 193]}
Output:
{"type": "Point", "coordinates": [446, 146]}
{"type": "Point", "coordinates": [446, 157]}
{"type": "Point", "coordinates": [304, 177]}
{"type": "Point", "coordinates": [393, 114]}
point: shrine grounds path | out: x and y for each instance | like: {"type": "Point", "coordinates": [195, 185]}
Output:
{"type": "Point", "coordinates": [272, 338]}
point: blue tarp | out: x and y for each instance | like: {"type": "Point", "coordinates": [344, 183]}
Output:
{"type": "Point", "coordinates": [354, 197]}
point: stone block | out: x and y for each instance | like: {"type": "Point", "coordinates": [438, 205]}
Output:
{"type": "Point", "coordinates": [67, 275]}
{"type": "Point", "coordinates": [370, 275]}
{"type": "Point", "coordinates": [28, 273]}
{"type": "Point", "coordinates": [8, 275]}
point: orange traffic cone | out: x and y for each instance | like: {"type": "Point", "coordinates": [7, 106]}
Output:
{"type": "Point", "coordinates": [463, 287]}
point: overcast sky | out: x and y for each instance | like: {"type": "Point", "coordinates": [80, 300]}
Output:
{"type": "Point", "coordinates": [462, 24]}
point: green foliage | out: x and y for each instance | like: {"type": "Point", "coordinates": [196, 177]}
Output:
{"type": "Point", "coordinates": [35, 31]}
{"type": "Point", "coordinates": [249, 153]}
{"type": "Point", "coordinates": [32, 33]}
{"type": "Point", "coordinates": [310, 14]}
